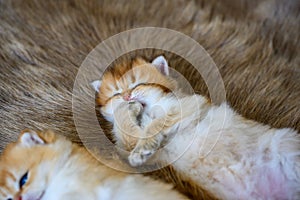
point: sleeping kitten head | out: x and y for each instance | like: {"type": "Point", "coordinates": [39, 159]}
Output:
{"type": "Point", "coordinates": [26, 166]}
{"type": "Point", "coordinates": [137, 81]}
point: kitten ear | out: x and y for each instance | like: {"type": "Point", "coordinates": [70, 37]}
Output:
{"type": "Point", "coordinates": [96, 85]}
{"type": "Point", "coordinates": [161, 64]}
{"type": "Point", "coordinates": [29, 138]}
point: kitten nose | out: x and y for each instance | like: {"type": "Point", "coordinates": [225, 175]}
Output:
{"type": "Point", "coordinates": [126, 97]}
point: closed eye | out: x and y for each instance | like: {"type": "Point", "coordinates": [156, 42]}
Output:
{"type": "Point", "coordinates": [163, 88]}
{"type": "Point", "coordinates": [116, 94]}
{"type": "Point", "coordinates": [23, 180]}
{"type": "Point", "coordinates": [138, 85]}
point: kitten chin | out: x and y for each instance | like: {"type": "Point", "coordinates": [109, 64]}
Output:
{"type": "Point", "coordinates": [46, 166]}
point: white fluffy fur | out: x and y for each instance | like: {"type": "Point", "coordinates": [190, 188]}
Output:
{"type": "Point", "coordinates": [239, 159]}
{"type": "Point", "coordinates": [230, 156]}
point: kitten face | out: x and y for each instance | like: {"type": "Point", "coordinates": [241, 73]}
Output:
{"type": "Point", "coordinates": [138, 81]}
{"type": "Point", "coordinates": [25, 167]}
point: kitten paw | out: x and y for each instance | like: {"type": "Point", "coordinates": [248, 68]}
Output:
{"type": "Point", "coordinates": [135, 107]}
{"type": "Point", "coordinates": [139, 156]}
{"type": "Point", "coordinates": [129, 109]}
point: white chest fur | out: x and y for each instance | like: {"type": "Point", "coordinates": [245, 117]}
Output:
{"type": "Point", "coordinates": [235, 158]}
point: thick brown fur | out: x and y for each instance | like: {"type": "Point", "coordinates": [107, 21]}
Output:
{"type": "Point", "coordinates": [255, 44]}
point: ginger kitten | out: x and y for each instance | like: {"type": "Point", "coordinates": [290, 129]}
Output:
{"type": "Point", "coordinates": [230, 156]}
{"type": "Point", "coordinates": [46, 166]}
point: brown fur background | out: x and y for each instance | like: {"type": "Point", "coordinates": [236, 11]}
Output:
{"type": "Point", "coordinates": [255, 44]}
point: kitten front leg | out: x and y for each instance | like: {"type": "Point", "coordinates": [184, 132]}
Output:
{"type": "Point", "coordinates": [156, 133]}
{"type": "Point", "coordinates": [144, 149]}
{"type": "Point", "coordinates": [126, 129]}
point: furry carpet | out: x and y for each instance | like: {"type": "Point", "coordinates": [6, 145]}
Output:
{"type": "Point", "coordinates": [255, 44]}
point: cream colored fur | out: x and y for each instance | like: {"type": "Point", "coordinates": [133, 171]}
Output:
{"type": "Point", "coordinates": [60, 170]}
